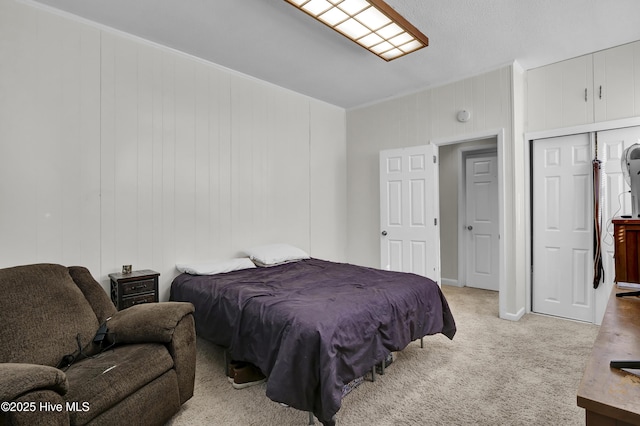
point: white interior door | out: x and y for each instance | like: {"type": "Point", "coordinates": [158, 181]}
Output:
{"type": "Point", "coordinates": [481, 227]}
{"type": "Point", "coordinates": [409, 239]}
{"type": "Point", "coordinates": [563, 227]}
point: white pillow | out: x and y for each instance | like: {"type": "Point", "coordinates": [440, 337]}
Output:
{"type": "Point", "coordinates": [275, 254]}
{"type": "Point", "coordinates": [216, 267]}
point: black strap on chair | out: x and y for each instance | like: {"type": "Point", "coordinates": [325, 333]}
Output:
{"type": "Point", "coordinates": [98, 339]}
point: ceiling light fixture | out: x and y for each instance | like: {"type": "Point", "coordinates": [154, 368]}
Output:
{"type": "Point", "coordinates": [373, 24]}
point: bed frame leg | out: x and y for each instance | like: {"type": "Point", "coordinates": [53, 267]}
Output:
{"type": "Point", "coordinates": [422, 342]}
{"type": "Point", "coordinates": [311, 419]}
{"type": "Point", "coordinates": [373, 373]}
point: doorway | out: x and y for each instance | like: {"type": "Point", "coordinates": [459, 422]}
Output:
{"type": "Point", "coordinates": [497, 136]}
{"type": "Point", "coordinates": [461, 264]}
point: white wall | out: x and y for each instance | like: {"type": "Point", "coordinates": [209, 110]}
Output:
{"type": "Point", "coordinates": [426, 116]}
{"type": "Point", "coordinates": [117, 151]}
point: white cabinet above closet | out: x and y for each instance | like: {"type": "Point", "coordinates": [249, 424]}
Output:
{"type": "Point", "coordinates": [560, 95]}
{"type": "Point", "coordinates": [616, 78]}
{"type": "Point", "coordinates": [597, 87]}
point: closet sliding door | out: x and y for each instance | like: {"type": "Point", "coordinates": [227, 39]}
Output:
{"type": "Point", "coordinates": [563, 227]}
{"type": "Point", "coordinates": [563, 220]}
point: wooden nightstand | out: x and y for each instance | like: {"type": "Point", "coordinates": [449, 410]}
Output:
{"type": "Point", "coordinates": [134, 288]}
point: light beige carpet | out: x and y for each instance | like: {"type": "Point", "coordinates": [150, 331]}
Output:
{"type": "Point", "coordinates": [494, 372]}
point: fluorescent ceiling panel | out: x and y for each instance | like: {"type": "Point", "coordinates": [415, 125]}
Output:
{"type": "Point", "coordinates": [372, 24]}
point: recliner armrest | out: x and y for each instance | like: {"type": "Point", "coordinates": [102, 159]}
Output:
{"type": "Point", "coordinates": [147, 323]}
{"type": "Point", "coordinates": [17, 379]}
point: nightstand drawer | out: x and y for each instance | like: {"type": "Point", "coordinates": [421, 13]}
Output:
{"type": "Point", "coordinates": [135, 287]}
{"type": "Point", "coordinates": [137, 300]}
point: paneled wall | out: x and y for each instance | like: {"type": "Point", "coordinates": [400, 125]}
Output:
{"type": "Point", "coordinates": [413, 120]}
{"type": "Point", "coordinates": [117, 151]}
{"type": "Point", "coordinates": [418, 119]}
{"type": "Point", "coordinates": [49, 139]}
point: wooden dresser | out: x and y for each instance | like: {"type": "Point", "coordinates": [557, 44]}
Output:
{"type": "Point", "coordinates": [626, 234]}
{"type": "Point", "coordinates": [611, 396]}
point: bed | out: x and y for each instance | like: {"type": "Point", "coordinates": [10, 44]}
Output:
{"type": "Point", "coordinates": [313, 326]}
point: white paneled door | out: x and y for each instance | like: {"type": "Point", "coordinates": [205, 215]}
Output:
{"type": "Point", "coordinates": [409, 237]}
{"type": "Point", "coordinates": [563, 227]}
{"type": "Point", "coordinates": [481, 227]}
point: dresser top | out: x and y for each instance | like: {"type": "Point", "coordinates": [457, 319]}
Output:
{"type": "Point", "coordinates": [143, 273]}
{"type": "Point", "coordinates": [610, 391]}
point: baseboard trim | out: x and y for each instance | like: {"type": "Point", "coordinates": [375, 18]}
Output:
{"type": "Point", "coordinates": [451, 282]}
{"type": "Point", "coordinates": [513, 317]}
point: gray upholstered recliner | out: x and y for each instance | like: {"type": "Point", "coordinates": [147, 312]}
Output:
{"type": "Point", "coordinates": [140, 373]}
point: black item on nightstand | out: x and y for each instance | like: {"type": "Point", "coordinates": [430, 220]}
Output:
{"type": "Point", "coordinates": [134, 288]}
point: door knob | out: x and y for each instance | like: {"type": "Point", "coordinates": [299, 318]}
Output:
{"type": "Point", "coordinates": [469, 227]}
{"type": "Point", "coordinates": [384, 233]}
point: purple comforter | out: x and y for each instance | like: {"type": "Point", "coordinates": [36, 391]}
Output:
{"type": "Point", "coordinates": [312, 326]}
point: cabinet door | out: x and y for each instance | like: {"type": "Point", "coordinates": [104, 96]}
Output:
{"type": "Point", "coordinates": [616, 82]}
{"type": "Point", "coordinates": [561, 94]}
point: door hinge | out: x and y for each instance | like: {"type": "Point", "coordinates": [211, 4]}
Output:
{"type": "Point", "coordinates": [435, 160]}
{"type": "Point", "coordinates": [435, 221]}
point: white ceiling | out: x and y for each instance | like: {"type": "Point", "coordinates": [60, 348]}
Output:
{"type": "Point", "coordinates": [272, 41]}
